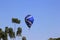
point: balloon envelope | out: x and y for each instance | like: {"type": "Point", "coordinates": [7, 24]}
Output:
{"type": "Point", "coordinates": [29, 20]}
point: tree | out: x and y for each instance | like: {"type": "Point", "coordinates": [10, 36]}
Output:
{"type": "Point", "coordinates": [15, 20]}
{"type": "Point", "coordinates": [54, 39]}
{"type": "Point", "coordinates": [11, 33]}
{"type": "Point", "coordinates": [23, 38]}
{"type": "Point", "coordinates": [6, 30]}
{"type": "Point", "coordinates": [4, 34]}
{"type": "Point", "coordinates": [50, 39]}
{"type": "Point", "coordinates": [58, 39]}
{"type": "Point", "coordinates": [19, 31]}
{"type": "Point", "coordinates": [0, 33]}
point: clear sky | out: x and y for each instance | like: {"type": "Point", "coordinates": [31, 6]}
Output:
{"type": "Point", "coordinates": [46, 14]}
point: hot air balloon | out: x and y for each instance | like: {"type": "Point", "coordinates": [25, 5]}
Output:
{"type": "Point", "coordinates": [29, 20]}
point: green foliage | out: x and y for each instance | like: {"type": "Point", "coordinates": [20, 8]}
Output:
{"type": "Point", "coordinates": [19, 31]}
{"type": "Point", "coordinates": [0, 33]}
{"type": "Point", "coordinates": [58, 39]}
{"type": "Point", "coordinates": [6, 30]}
{"type": "Point", "coordinates": [54, 39]}
{"type": "Point", "coordinates": [23, 38]}
{"type": "Point", "coordinates": [15, 20]}
{"type": "Point", "coordinates": [3, 34]}
{"type": "Point", "coordinates": [11, 33]}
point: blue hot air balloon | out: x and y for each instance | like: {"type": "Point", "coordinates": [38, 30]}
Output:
{"type": "Point", "coordinates": [29, 20]}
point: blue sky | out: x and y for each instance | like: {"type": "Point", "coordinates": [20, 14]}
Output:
{"type": "Point", "coordinates": [46, 15]}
